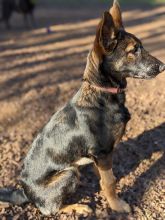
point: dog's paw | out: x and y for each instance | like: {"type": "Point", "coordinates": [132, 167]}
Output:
{"type": "Point", "coordinates": [4, 205]}
{"type": "Point", "coordinates": [119, 205]}
{"type": "Point", "coordinates": [79, 208]}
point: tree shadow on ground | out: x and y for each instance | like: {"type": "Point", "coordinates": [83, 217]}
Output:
{"type": "Point", "coordinates": [57, 57]}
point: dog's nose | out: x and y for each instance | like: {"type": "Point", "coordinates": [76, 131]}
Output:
{"type": "Point", "coordinates": [162, 67]}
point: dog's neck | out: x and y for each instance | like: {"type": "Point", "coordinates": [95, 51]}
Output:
{"type": "Point", "coordinates": [92, 91]}
{"type": "Point", "coordinates": [96, 75]}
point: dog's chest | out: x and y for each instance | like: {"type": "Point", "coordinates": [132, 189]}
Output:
{"type": "Point", "coordinates": [118, 132]}
{"type": "Point", "coordinates": [107, 129]}
{"type": "Point", "coordinates": [119, 122]}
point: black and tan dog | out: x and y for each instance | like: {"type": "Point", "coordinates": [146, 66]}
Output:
{"type": "Point", "coordinates": [89, 125]}
{"type": "Point", "coordinates": [25, 7]}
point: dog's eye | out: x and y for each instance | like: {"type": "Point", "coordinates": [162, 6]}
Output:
{"type": "Point", "coordinates": [135, 50]}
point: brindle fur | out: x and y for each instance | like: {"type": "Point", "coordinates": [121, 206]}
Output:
{"type": "Point", "coordinates": [89, 125]}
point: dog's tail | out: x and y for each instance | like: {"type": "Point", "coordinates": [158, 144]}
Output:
{"type": "Point", "coordinates": [14, 196]}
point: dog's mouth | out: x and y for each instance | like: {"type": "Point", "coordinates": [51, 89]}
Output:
{"type": "Point", "coordinates": [146, 73]}
{"type": "Point", "coordinates": [139, 77]}
{"type": "Point", "coordinates": [144, 76]}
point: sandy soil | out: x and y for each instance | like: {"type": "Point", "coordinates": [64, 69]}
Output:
{"type": "Point", "coordinates": [39, 72]}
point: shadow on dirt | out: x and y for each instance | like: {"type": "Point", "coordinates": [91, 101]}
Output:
{"type": "Point", "coordinates": [57, 57]}
{"type": "Point", "coordinates": [127, 157]}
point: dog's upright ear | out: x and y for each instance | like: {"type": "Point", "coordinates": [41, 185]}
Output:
{"type": "Point", "coordinates": [115, 11]}
{"type": "Point", "coordinates": [107, 33]}
{"type": "Point", "coordinates": [109, 27]}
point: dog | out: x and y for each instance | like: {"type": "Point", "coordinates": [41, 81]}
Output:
{"type": "Point", "coordinates": [89, 126]}
{"type": "Point", "coordinates": [25, 7]}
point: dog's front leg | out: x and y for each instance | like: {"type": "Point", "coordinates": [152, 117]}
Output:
{"type": "Point", "coordinates": [108, 184]}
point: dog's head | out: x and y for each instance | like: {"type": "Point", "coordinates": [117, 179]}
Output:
{"type": "Point", "coordinates": [122, 53]}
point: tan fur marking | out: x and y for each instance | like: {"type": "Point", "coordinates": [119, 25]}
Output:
{"type": "Point", "coordinates": [79, 208]}
{"type": "Point", "coordinates": [108, 180]}
{"type": "Point", "coordinates": [83, 161]}
{"type": "Point", "coordinates": [89, 95]}
{"type": "Point", "coordinates": [131, 57]}
{"type": "Point", "coordinates": [51, 180]}
{"type": "Point", "coordinates": [130, 47]}
{"type": "Point", "coordinates": [108, 185]}
{"type": "Point", "coordinates": [116, 15]}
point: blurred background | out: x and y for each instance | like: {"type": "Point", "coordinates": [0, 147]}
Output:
{"type": "Point", "coordinates": [42, 60]}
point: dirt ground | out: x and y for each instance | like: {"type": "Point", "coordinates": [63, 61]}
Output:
{"type": "Point", "coordinates": [39, 72]}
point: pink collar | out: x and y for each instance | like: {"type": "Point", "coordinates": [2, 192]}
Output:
{"type": "Point", "coordinates": [111, 90]}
